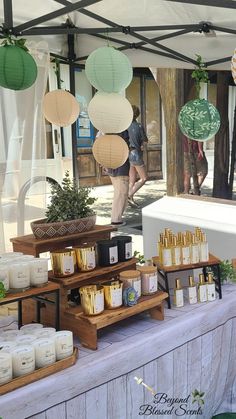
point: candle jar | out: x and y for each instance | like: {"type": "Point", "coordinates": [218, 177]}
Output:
{"type": "Point", "coordinates": [38, 272]}
{"type": "Point", "coordinates": [5, 367]}
{"type": "Point", "coordinates": [92, 299]}
{"type": "Point", "coordinates": [45, 332]}
{"type": "Point", "coordinates": [124, 244]}
{"type": "Point", "coordinates": [23, 360]}
{"type": "Point", "coordinates": [6, 345]}
{"type": "Point", "coordinates": [10, 255]}
{"type": "Point", "coordinates": [30, 328]}
{"type": "Point", "coordinates": [107, 251]}
{"type": "Point", "coordinates": [19, 276]}
{"type": "Point", "coordinates": [4, 275]}
{"type": "Point", "coordinates": [132, 278]}
{"type": "Point", "coordinates": [85, 256]}
{"type": "Point", "coordinates": [25, 339]}
{"type": "Point", "coordinates": [45, 352]}
{"type": "Point", "coordinates": [63, 262]}
{"type": "Point", "coordinates": [113, 294]}
{"type": "Point", "coordinates": [10, 334]}
{"type": "Point", "coordinates": [63, 344]}
{"type": "Point", "coordinates": [149, 279]}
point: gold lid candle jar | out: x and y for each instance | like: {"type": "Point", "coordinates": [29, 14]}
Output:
{"type": "Point", "coordinates": [92, 299]}
{"type": "Point", "coordinates": [149, 281]}
{"type": "Point", "coordinates": [85, 256]}
{"type": "Point", "coordinates": [113, 294]}
{"type": "Point", "coordinates": [132, 278]}
{"type": "Point", "coordinates": [63, 262]}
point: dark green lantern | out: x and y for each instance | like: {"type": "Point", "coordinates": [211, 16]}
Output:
{"type": "Point", "coordinates": [18, 70]}
{"type": "Point", "coordinates": [199, 120]}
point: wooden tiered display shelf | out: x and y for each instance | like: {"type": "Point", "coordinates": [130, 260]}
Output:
{"type": "Point", "coordinates": [31, 246]}
{"type": "Point", "coordinates": [87, 326]}
{"type": "Point", "coordinates": [165, 270]}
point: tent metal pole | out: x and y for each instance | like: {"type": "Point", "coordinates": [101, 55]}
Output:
{"type": "Point", "coordinates": [49, 16]}
{"type": "Point", "coordinates": [8, 19]}
{"type": "Point", "coordinates": [227, 4]}
{"type": "Point", "coordinates": [71, 56]}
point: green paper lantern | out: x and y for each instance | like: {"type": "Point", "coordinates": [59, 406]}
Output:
{"type": "Point", "coordinates": [108, 70]}
{"type": "Point", "coordinates": [18, 70]}
{"type": "Point", "coordinates": [199, 120]}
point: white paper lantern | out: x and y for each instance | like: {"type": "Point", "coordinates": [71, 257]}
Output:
{"type": "Point", "coordinates": [233, 66]}
{"type": "Point", "coordinates": [60, 108]}
{"type": "Point", "coordinates": [110, 151]}
{"type": "Point", "coordinates": [110, 112]}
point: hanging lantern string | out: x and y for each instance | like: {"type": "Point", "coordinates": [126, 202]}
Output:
{"type": "Point", "coordinates": [107, 36]}
{"type": "Point", "coordinates": [200, 75]}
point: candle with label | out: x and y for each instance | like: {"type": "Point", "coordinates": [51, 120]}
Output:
{"type": "Point", "coordinates": [63, 344]}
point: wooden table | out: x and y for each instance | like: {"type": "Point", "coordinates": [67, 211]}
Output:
{"type": "Point", "coordinates": [29, 245]}
{"type": "Point", "coordinates": [165, 270]}
{"type": "Point", "coordinates": [38, 294]}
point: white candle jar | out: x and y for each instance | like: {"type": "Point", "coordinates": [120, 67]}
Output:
{"type": "Point", "coordinates": [45, 332]}
{"type": "Point", "coordinates": [64, 344]}
{"type": "Point", "coordinates": [131, 278]}
{"type": "Point", "coordinates": [5, 367]}
{"type": "Point", "coordinates": [25, 339]}
{"type": "Point", "coordinates": [149, 279]}
{"type": "Point", "coordinates": [6, 346]}
{"type": "Point", "coordinates": [45, 352]}
{"type": "Point", "coordinates": [10, 255]}
{"type": "Point", "coordinates": [31, 327]}
{"type": "Point", "coordinates": [23, 360]}
{"type": "Point", "coordinates": [38, 272]}
{"type": "Point", "coordinates": [10, 334]}
{"type": "Point", "coordinates": [19, 275]}
{"type": "Point", "coordinates": [4, 275]}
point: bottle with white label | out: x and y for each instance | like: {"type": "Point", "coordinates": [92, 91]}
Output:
{"type": "Point", "coordinates": [211, 287]}
{"type": "Point", "coordinates": [192, 291]}
{"type": "Point", "coordinates": [204, 252]}
{"type": "Point", "coordinates": [202, 289]}
{"type": "Point", "coordinates": [194, 250]}
{"type": "Point", "coordinates": [166, 254]}
{"type": "Point", "coordinates": [185, 253]}
{"type": "Point", "coordinates": [176, 252]}
{"type": "Point", "coordinates": [178, 294]}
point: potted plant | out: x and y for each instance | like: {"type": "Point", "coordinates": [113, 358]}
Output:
{"type": "Point", "coordinates": [227, 272]}
{"type": "Point", "coordinates": [69, 211]}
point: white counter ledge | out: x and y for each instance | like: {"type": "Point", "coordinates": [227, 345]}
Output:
{"type": "Point", "coordinates": [193, 348]}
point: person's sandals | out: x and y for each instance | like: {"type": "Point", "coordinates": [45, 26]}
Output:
{"type": "Point", "coordinates": [133, 203]}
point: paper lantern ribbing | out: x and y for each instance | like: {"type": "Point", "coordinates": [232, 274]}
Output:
{"type": "Point", "coordinates": [108, 70]}
{"type": "Point", "coordinates": [110, 151]}
{"type": "Point", "coordinates": [18, 70]}
{"type": "Point", "coordinates": [233, 66]}
{"type": "Point", "coordinates": [60, 108]}
{"type": "Point", "coordinates": [110, 112]}
{"type": "Point", "coordinates": [199, 120]}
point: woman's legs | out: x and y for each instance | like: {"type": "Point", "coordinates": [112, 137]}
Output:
{"type": "Point", "coordinates": [121, 188]}
{"type": "Point", "coordinates": [133, 185]}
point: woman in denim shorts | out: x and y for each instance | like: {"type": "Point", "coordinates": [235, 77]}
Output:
{"type": "Point", "coordinates": [137, 137]}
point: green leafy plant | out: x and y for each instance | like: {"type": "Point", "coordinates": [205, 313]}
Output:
{"type": "Point", "coordinates": [200, 75]}
{"type": "Point", "coordinates": [17, 42]}
{"type": "Point", "coordinates": [2, 290]}
{"type": "Point", "coordinates": [197, 397]}
{"type": "Point", "coordinates": [69, 202]}
{"type": "Point", "coordinates": [140, 257]}
{"type": "Point", "coordinates": [227, 271]}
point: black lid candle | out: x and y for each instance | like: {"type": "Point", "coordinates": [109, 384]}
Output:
{"type": "Point", "coordinates": [124, 244]}
{"type": "Point", "coordinates": [107, 251]}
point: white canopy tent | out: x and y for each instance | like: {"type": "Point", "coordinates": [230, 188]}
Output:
{"type": "Point", "coordinates": [157, 33]}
